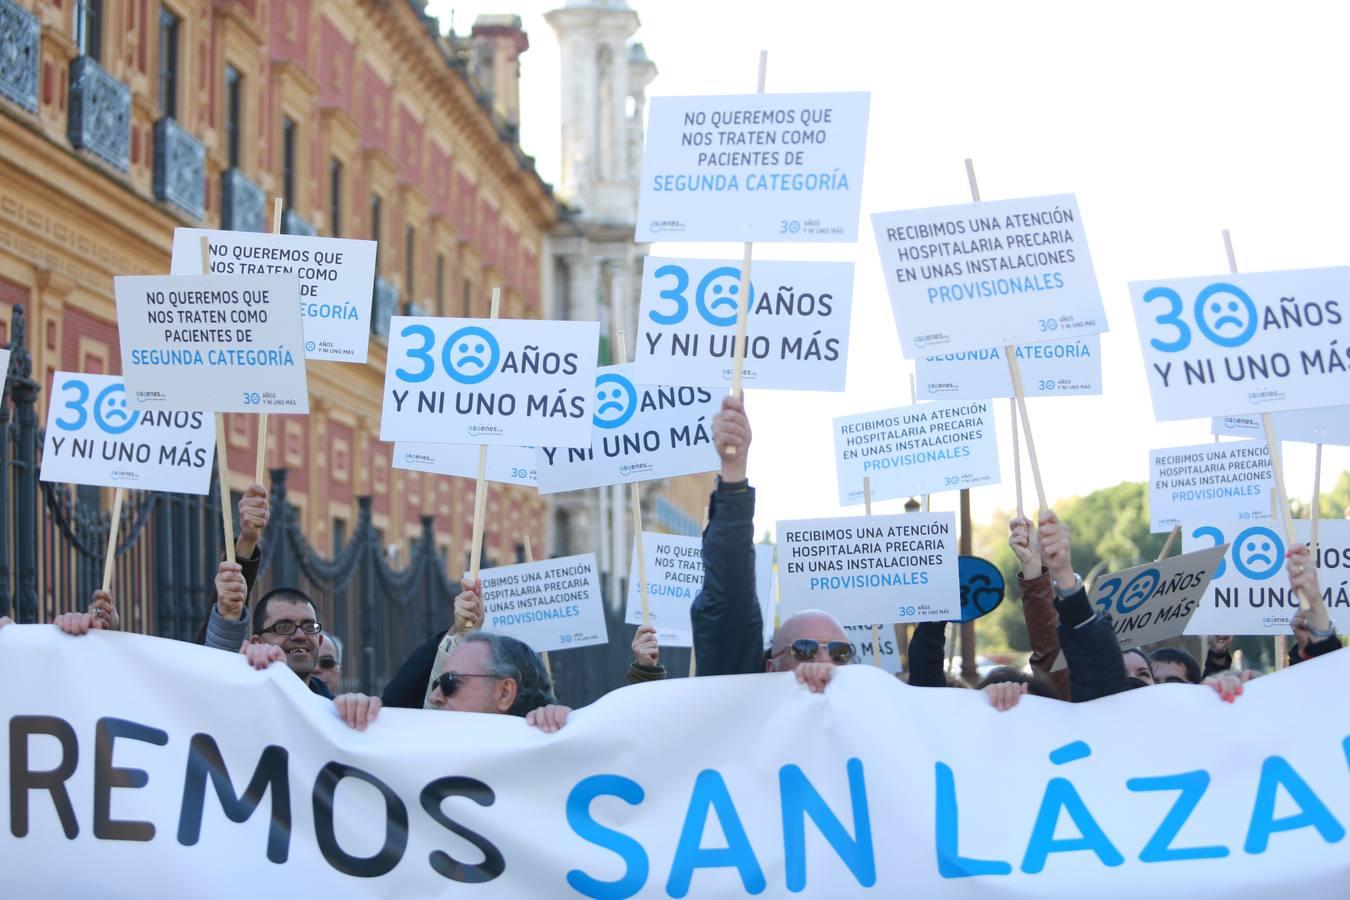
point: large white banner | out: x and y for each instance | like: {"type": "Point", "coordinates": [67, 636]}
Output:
{"type": "Point", "coordinates": [1228, 480]}
{"type": "Point", "coordinates": [1244, 344]}
{"type": "Point", "coordinates": [757, 167]}
{"type": "Point", "coordinates": [796, 336]}
{"type": "Point", "coordinates": [196, 775]}
{"type": "Point", "coordinates": [642, 432]}
{"type": "Point", "coordinates": [1052, 369]}
{"type": "Point", "coordinates": [512, 382]}
{"type": "Point", "coordinates": [95, 437]}
{"type": "Point", "coordinates": [1250, 592]}
{"type": "Point", "coordinates": [922, 449]}
{"type": "Point", "coordinates": [988, 274]}
{"type": "Point", "coordinates": [336, 278]}
{"type": "Point", "coordinates": [217, 343]}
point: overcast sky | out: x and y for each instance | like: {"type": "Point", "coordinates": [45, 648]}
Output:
{"type": "Point", "coordinates": [1170, 121]}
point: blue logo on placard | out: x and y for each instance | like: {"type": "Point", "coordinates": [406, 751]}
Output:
{"type": "Point", "coordinates": [718, 295]}
{"type": "Point", "coordinates": [615, 401]}
{"type": "Point", "coordinates": [1258, 553]}
{"type": "Point", "coordinates": [110, 410]}
{"type": "Point", "coordinates": [471, 355]}
{"type": "Point", "coordinates": [981, 587]}
{"type": "Point", "coordinates": [1226, 315]}
{"type": "Point", "coordinates": [1137, 592]}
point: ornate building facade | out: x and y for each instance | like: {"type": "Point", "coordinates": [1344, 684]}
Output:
{"type": "Point", "coordinates": [123, 119]}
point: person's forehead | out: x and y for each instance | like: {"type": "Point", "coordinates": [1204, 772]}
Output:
{"type": "Point", "coordinates": [469, 658]}
{"type": "Point", "coordinates": [296, 611]}
{"type": "Point", "coordinates": [327, 646]}
{"type": "Point", "coordinates": [818, 628]}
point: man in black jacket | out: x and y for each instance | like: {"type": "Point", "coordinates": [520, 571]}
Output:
{"type": "Point", "coordinates": [728, 627]}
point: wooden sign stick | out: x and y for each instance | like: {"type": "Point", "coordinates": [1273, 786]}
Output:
{"type": "Point", "coordinates": [222, 450]}
{"type": "Point", "coordinates": [1017, 458]}
{"type": "Point", "coordinates": [746, 301]}
{"type": "Point", "coordinates": [480, 485]}
{"type": "Point", "coordinates": [1268, 425]}
{"type": "Point", "coordinates": [914, 401]}
{"type": "Point", "coordinates": [1315, 512]}
{"type": "Point", "coordinates": [876, 629]}
{"type": "Point", "coordinates": [260, 472]}
{"type": "Point", "coordinates": [1167, 544]}
{"type": "Point", "coordinates": [635, 494]}
{"type": "Point", "coordinates": [1014, 370]}
{"type": "Point", "coordinates": [119, 494]}
{"type": "Point", "coordinates": [529, 558]}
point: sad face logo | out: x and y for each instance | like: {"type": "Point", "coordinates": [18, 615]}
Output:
{"type": "Point", "coordinates": [110, 410]}
{"type": "Point", "coordinates": [1258, 553]}
{"type": "Point", "coordinates": [1137, 592]}
{"type": "Point", "coordinates": [615, 401]}
{"type": "Point", "coordinates": [718, 295]}
{"type": "Point", "coordinates": [471, 355]}
{"type": "Point", "coordinates": [1226, 315]}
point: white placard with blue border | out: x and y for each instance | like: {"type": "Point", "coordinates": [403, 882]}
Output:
{"type": "Point", "coordinates": [1226, 480]}
{"type": "Point", "coordinates": [509, 382]}
{"type": "Point", "coordinates": [1245, 344]}
{"type": "Point", "coordinates": [550, 604]}
{"type": "Point", "coordinates": [505, 465]}
{"type": "Point", "coordinates": [1329, 425]}
{"type": "Point", "coordinates": [1052, 369]}
{"type": "Point", "coordinates": [642, 432]}
{"type": "Point", "coordinates": [1155, 601]}
{"type": "Point", "coordinates": [796, 336]}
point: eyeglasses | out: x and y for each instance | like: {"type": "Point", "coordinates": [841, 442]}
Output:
{"type": "Point", "coordinates": [327, 662]}
{"type": "Point", "coordinates": [449, 682]}
{"type": "Point", "coordinates": [805, 650]}
{"type": "Point", "coordinates": [286, 627]}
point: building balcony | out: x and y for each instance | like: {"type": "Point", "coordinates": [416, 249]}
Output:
{"type": "Point", "coordinates": [20, 53]}
{"type": "Point", "coordinates": [180, 168]}
{"type": "Point", "coordinates": [382, 310]}
{"type": "Point", "coordinates": [100, 113]}
{"type": "Point", "coordinates": [293, 224]}
{"type": "Point", "coordinates": [242, 203]}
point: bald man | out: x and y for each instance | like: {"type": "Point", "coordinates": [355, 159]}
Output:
{"type": "Point", "coordinates": [728, 628]}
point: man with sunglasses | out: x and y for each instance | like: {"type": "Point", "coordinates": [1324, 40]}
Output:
{"type": "Point", "coordinates": [286, 628]}
{"type": "Point", "coordinates": [728, 628]}
{"type": "Point", "coordinates": [483, 673]}
{"type": "Point", "coordinates": [330, 663]}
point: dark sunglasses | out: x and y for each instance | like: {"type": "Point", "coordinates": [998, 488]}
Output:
{"type": "Point", "coordinates": [805, 650]}
{"type": "Point", "coordinates": [327, 662]}
{"type": "Point", "coordinates": [287, 627]}
{"type": "Point", "coordinates": [449, 682]}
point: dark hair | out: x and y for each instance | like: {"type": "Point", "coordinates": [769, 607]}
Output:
{"type": "Point", "coordinates": [1037, 683]}
{"type": "Point", "coordinates": [1142, 655]}
{"type": "Point", "coordinates": [512, 658]}
{"type": "Point", "coordinates": [1181, 657]}
{"type": "Point", "coordinates": [285, 595]}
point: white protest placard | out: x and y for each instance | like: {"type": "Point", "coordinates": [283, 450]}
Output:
{"type": "Point", "coordinates": [674, 578]}
{"type": "Point", "coordinates": [870, 569]}
{"type": "Point", "coordinates": [95, 437]}
{"type": "Point", "coordinates": [511, 382]}
{"type": "Point", "coordinates": [912, 450]}
{"type": "Point", "coordinates": [982, 275]}
{"type": "Point", "coordinates": [797, 330]}
{"type": "Point", "coordinates": [4, 365]}
{"type": "Point", "coordinates": [214, 343]}
{"type": "Point", "coordinates": [1070, 368]}
{"type": "Point", "coordinates": [1328, 425]}
{"type": "Point", "coordinates": [336, 275]}
{"type": "Point", "coordinates": [1230, 480]}
{"type": "Point", "coordinates": [1155, 601]}
{"type": "Point", "coordinates": [756, 167]}
{"type": "Point", "coordinates": [642, 432]}
{"type": "Point", "coordinates": [551, 604]}
{"type": "Point", "coordinates": [505, 465]}
{"type": "Point", "coordinates": [1245, 344]}
{"type": "Point", "coordinates": [1250, 593]}
{"type": "Point", "coordinates": [860, 636]}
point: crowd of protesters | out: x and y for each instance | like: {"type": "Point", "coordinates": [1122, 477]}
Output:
{"type": "Point", "coordinates": [470, 670]}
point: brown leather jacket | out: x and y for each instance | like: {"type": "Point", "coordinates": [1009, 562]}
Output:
{"type": "Point", "coordinates": [1038, 607]}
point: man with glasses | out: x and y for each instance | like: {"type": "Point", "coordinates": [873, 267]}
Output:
{"type": "Point", "coordinates": [484, 673]}
{"type": "Point", "coordinates": [286, 627]}
{"type": "Point", "coordinates": [728, 629]}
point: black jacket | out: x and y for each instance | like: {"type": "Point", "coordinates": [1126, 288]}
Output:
{"type": "Point", "coordinates": [1096, 667]}
{"type": "Point", "coordinates": [408, 688]}
{"type": "Point", "coordinates": [928, 654]}
{"type": "Point", "coordinates": [728, 628]}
